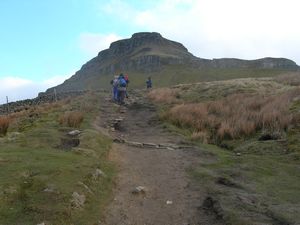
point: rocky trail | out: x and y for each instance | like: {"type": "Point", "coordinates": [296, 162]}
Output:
{"type": "Point", "coordinates": [152, 186]}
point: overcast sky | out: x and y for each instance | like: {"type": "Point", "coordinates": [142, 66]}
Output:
{"type": "Point", "coordinates": [44, 42]}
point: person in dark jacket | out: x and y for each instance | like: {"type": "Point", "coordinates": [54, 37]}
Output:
{"type": "Point", "coordinates": [149, 83]}
{"type": "Point", "coordinates": [127, 82]}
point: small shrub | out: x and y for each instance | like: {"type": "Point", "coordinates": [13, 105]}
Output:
{"type": "Point", "coordinates": [4, 124]}
{"type": "Point", "coordinates": [71, 119]}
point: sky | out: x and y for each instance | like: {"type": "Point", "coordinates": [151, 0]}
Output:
{"type": "Point", "coordinates": [44, 42]}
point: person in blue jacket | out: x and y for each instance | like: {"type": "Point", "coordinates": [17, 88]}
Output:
{"type": "Point", "coordinates": [121, 89]}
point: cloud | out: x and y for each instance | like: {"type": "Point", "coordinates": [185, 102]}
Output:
{"type": "Point", "coordinates": [120, 9]}
{"type": "Point", "coordinates": [92, 43]}
{"type": "Point", "coordinates": [55, 80]}
{"type": "Point", "coordinates": [218, 28]}
{"type": "Point", "coordinates": [17, 88]}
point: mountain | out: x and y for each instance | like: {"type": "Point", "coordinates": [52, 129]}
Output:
{"type": "Point", "coordinates": [168, 62]}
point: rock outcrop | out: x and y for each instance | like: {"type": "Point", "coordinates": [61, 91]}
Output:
{"type": "Point", "coordinates": [265, 63]}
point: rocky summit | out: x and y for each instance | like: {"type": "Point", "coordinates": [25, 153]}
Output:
{"type": "Point", "coordinates": [169, 62]}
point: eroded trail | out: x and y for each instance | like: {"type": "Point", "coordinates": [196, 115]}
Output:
{"type": "Point", "coordinates": [155, 160]}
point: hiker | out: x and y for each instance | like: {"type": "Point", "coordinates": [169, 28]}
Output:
{"type": "Point", "coordinates": [121, 89]}
{"type": "Point", "coordinates": [126, 78]}
{"type": "Point", "coordinates": [114, 84]}
{"type": "Point", "coordinates": [149, 83]}
{"type": "Point", "coordinates": [127, 82]}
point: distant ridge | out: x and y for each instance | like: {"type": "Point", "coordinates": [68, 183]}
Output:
{"type": "Point", "coordinates": [148, 53]}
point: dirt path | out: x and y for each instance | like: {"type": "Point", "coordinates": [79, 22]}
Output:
{"type": "Point", "coordinates": [169, 196]}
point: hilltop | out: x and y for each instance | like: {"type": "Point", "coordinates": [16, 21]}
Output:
{"type": "Point", "coordinates": [169, 62]}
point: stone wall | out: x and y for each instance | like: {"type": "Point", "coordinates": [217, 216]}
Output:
{"type": "Point", "coordinates": [42, 98]}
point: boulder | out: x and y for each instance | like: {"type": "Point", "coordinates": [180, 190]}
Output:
{"type": "Point", "coordinates": [139, 190]}
{"type": "Point", "coordinates": [74, 133]}
{"type": "Point", "coordinates": [98, 173]}
{"type": "Point", "coordinates": [77, 200]}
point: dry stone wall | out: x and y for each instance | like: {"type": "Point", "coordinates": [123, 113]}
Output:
{"type": "Point", "coordinates": [42, 98]}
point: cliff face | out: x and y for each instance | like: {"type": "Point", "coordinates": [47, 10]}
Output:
{"type": "Point", "coordinates": [147, 53]}
{"type": "Point", "coordinates": [143, 52]}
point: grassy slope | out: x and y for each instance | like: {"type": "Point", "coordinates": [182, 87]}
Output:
{"type": "Point", "coordinates": [266, 175]}
{"type": "Point", "coordinates": [175, 74]}
{"type": "Point", "coordinates": [30, 162]}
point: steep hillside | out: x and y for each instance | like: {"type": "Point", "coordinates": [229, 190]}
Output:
{"type": "Point", "coordinates": [169, 62]}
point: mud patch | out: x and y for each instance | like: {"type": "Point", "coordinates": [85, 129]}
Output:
{"type": "Point", "coordinates": [226, 182]}
{"type": "Point", "coordinates": [67, 143]}
{"type": "Point", "coordinates": [213, 206]}
{"type": "Point", "coordinates": [119, 126]}
{"type": "Point", "coordinates": [141, 106]}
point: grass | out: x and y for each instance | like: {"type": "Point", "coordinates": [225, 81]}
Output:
{"type": "Point", "coordinates": [4, 124]}
{"type": "Point", "coordinates": [169, 75]}
{"type": "Point", "coordinates": [266, 173]}
{"type": "Point", "coordinates": [164, 95]}
{"type": "Point", "coordinates": [71, 119]}
{"type": "Point", "coordinates": [37, 178]}
{"type": "Point", "coordinates": [207, 91]}
{"type": "Point", "coordinates": [235, 116]}
{"type": "Point", "coordinates": [265, 183]}
{"type": "Point", "coordinates": [292, 78]}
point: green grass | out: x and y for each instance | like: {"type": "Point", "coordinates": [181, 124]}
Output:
{"type": "Point", "coordinates": [272, 180]}
{"type": "Point", "coordinates": [267, 173]}
{"type": "Point", "coordinates": [169, 75]}
{"type": "Point", "coordinates": [31, 162]}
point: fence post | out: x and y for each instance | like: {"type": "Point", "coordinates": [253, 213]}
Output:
{"type": "Point", "coordinates": [55, 95]}
{"type": "Point", "coordinates": [7, 105]}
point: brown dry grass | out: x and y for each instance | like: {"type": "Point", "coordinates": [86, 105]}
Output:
{"type": "Point", "coordinates": [4, 124]}
{"type": "Point", "coordinates": [71, 119]}
{"type": "Point", "coordinates": [292, 79]}
{"type": "Point", "coordinates": [164, 95]}
{"type": "Point", "coordinates": [200, 135]}
{"type": "Point", "coordinates": [235, 116]}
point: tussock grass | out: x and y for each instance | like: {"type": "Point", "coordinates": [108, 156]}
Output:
{"type": "Point", "coordinates": [292, 79]}
{"type": "Point", "coordinates": [235, 116]}
{"type": "Point", "coordinates": [164, 95]}
{"type": "Point", "coordinates": [204, 91]}
{"type": "Point", "coordinates": [71, 119]}
{"type": "Point", "coordinates": [4, 124]}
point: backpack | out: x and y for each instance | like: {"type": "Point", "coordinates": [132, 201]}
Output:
{"type": "Point", "coordinates": [122, 82]}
